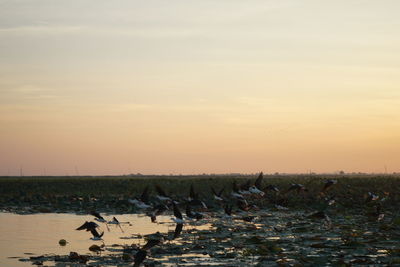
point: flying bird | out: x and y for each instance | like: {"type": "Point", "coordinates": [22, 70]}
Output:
{"type": "Point", "coordinates": [328, 184]}
{"type": "Point", "coordinates": [178, 219]}
{"type": "Point", "coordinates": [87, 226]}
{"type": "Point", "coordinates": [178, 215]}
{"type": "Point", "coordinates": [116, 222]}
{"type": "Point", "coordinates": [256, 188]}
{"type": "Point", "coordinates": [217, 195]}
{"type": "Point", "coordinates": [162, 196]}
{"type": "Point", "coordinates": [98, 218]}
{"type": "Point", "coordinates": [157, 210]}
{"type": "Point", "coordinates": [236, 191]}
{"type": "Point", "coordinates": [96, 235]}
{"type": "Point", "coordinates": [297, 187]}
{"type": "Point", "coordinates": [143, 201]}
{"type": "Point", "coordinates": [271, 187]}
{"type": "Point", "coordinates": [192, 214]}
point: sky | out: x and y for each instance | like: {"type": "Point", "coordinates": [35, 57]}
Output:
{"type": "Point", "coordinates": [186, 87]}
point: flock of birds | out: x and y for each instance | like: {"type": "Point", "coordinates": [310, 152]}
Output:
{"type": "Point", "coordinates": [195, 208]}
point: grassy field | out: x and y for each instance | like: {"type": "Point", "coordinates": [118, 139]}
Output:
{"type": "Point", "coordinates": [112, 192]}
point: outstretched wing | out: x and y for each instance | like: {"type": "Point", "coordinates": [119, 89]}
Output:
{"type": "Point", "coordinates": [160, 191]}
{"type": "Point", "coordinates": [145, 195]}
{"type": "Point", "coordinates": [97, 215]}
{"type": "Point", "coordinates": [83, 226]}
{"type": "Point", "coordinates": [259, 181]}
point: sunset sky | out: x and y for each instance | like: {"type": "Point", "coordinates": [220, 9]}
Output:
{"type": "Point", "coordinates": [207, 86]}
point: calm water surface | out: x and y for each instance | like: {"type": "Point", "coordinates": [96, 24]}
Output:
{"type": "Point", "coordinates": [38, 234]}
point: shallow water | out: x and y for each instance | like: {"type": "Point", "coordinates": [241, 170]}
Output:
{"type": "Point", "coordinates": [33, 235]}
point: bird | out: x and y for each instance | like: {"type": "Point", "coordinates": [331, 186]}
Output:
{"type": "Point", "coordinates": [178, 215]}
{"type": "Point", "coordinates": [162, 196]}
{"type": "Point", "coordinates": [140, 256]}
{"type": "Point", "coordinates": [116, 222]}
{"type": "Point", "coordinates": [98, 218]}
{"type": "Point", "coordinates": [217, 195]}
{"type": "Point", "coordinates": [328, 184]}
{"type": "Point", "coordinates": [298, 187]}
{"type": "Point", "coordinates": [143, 201]}
{"type": "Point", "coordinates": [272, 188]}
{"type": "Point", "coordinates": [236, 191]}
{"type": "Point", "coordinates": [243, 205]}
{"type": "Point", "coordinates": [244, 188]}
{"type": "Point", "coordinates": [151, 243]}
{"type": "Point", "coordinates": [193, 215]}
{"type": "Point", "coordinates": [248, 218]}
{"type": "Point", "coordinates": [157, 210]}
{"type": "Point", "coordinates": [371, 197]}
{"type": "Point", "coordinates": [96, 235]}
{"type": "Point", "coordinates": [194, 200]}
{"type": "Point", "coordinates": [192, 193]}
{"type": "Point", "coordinates": [87, 226]}
{"type": "Point", "coordinates": [178, 219]}
{"type": "Point", "coordinates": [228, 209]}
{"type": "Point", "coordinates": [178, 230]}
{"type": "Point", "coordinates": [256, 188]}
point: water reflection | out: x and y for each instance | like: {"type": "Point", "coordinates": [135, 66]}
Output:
{"type": "Point", "coordinates": [38, 234]}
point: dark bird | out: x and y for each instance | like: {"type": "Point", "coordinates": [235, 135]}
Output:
{"type": "Point", "coordinates": [217, 195]}
{"type": "Point", "coordinates": [236, 191]}
{"type": "Point", "coordinates": [328, 184]}
{"type": "Point", "coordinates": [96, 235]}
{"type": "Point", "coordinates": [256, 188]}
{"type": "Point", "coordinates": [178, 215]}
{"type": "Point", "coordinates": [178, 219]}
{"type": "Point", "coordinates": [116, 222]}
{"type": "Point", "coordinates": [157, 210]}
{"type": "Point", "coordinates": [178, 230]}
{"type": "Point", "coordinates": [98, 218]}
{"type": "Point", "coordinates": [318, 215]}
{"type": "Point", "coordinates": [371, 197]}
{"type": "Point", "coordinates": [243, 205]}
{"type": "Point", "coordinates": [161, 194]}
{"type": "Point", "coordinates": [198, 203]}
{"type": "Point", "coordinates": [244, 188]}
{"type": "Point", "coordinates": [228, 210]}
{"type": "Point", "coordinates": [258, 182]}
{"type": "Point", "coordinates": [145, 195]}
{"type": "Point", "coordinates": [140, 256]}
{"type": "Point", "coordinates": [87, 226]}
{"type": "Point", "coordinates": [271, 187]}
{"type": "Point", "coordinates": [377, 213]}
{"type": "Point", "coordinates": [151, 243]}
{"type": "Point", "coordinates": [192, 193]}
{"type": "Point", "coordinates": [194, 199]}
{"type": "Point", "coordinates": [143, 201]}
{"type": "Point", "coordinates": [193, 215]}
{"type": "Point", "coordinates": [297, 187]}
{"type": "Point", "coordinates": [248, 218]}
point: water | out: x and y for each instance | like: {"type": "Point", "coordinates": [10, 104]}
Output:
{"type": "Point", "coordinates": [33, 235]}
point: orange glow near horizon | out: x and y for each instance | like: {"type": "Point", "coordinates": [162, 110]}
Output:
{"type": "Point", "coordinates": [199, 87]}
